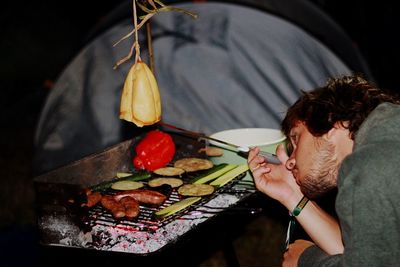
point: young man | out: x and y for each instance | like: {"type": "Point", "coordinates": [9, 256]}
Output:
{"type": "Point", "coordinates": [344, 135]}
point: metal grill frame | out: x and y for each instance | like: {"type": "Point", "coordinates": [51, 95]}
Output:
{"type": "Point", "coordinates": [146, 220]}
{"type": "Point", "coordinates": [56, 225]}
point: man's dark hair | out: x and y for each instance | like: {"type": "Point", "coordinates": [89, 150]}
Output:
{"type": "Point", "coordinates": [347, 100]}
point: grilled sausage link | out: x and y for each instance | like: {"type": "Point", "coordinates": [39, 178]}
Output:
{"type": "Point", "coordinates": [143, 196]}
{"type": "Point", "coordinates": [92, 199]}
{"type": "Point", "coordinates": [114, 206]}
{"type": "Point", "coordinates": [131, 207]}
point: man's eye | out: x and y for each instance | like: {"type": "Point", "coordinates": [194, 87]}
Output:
{"type": "Point", "coordinates": [293, 139]}
{"type": "Point", "coordinates": [289, 148]}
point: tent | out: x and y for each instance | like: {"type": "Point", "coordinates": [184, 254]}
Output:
{"type": "Point", "coordinates": [238, 65]}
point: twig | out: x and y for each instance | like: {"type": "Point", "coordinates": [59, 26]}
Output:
{"type": "Point", "coordinates": [150, 46]}
{"type": "Point", "coordinates": [136, 43]}
{"type": "Point", "coordinates": [144, 19]}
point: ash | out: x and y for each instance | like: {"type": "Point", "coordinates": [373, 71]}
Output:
{"type": "Point", "coordinates": [64, 230]}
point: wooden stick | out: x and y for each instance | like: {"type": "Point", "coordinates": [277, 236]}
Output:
{"type": "Point", "coordinates": [150, 46]}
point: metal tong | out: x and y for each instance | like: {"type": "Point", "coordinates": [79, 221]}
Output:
{"type": "Point", "coordinates": [242, 151]}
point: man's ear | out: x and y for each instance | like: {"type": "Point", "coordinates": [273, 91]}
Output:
{"type": "Point", "coordinates": [334, 130]}
{"type": "Point", "coordinates": [337, 126]}
{"type": "Point", "coordinates": [328, 136]}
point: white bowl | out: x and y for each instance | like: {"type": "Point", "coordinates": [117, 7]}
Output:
{"type": "Point", "coordinates": [265, 138]}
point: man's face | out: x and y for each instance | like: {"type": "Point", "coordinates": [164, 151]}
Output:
{"type": "Point", "coordinates": [313, 162]}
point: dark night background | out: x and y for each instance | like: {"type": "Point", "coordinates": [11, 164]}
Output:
{"type": "Point", "coordinates": [39, 38]}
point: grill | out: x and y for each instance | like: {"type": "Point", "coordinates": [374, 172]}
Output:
{"type": "Point", "coordinates": [146, 220]}
{"type": "Point", "coordinates": [63, 224]}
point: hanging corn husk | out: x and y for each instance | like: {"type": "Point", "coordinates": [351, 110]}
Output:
{"type": "Point", "coordinates": [140, 100]}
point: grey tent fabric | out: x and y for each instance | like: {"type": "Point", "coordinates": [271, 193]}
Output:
{"type": "Point", "coordinates": [233, 67]}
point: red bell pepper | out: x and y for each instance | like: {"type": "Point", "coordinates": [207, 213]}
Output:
{"type": "Point", "coordinates": [154, 151]}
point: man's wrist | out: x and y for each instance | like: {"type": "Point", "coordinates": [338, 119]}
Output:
{"type": "Point", "coordinates": [300, 206]}
{"type": "Point", "coordinates": [293, 201]}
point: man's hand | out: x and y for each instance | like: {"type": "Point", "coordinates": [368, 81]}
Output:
{"type": "Point", "coordinates": [275, 181]}
{"type": "Point", "coordinates": [292, 255]}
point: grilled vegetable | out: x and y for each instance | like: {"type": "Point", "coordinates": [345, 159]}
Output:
{"type": "Point", "coordinates": [193, 164]}
{"type": "Point", "coordinates": [196, 190]}
{"type": "Point", "coordinates": [123, 174]}
{"type": "Point", "coordinates": [154, 151]}
{"type": "Point", "coordinates": [214, 173]}
{"type": "Point", "coordinates": [137, 176]}
{"type": "Point", "coordinates": [212, 151]}
{"type": "Point", "coordinates": [140, 100]}
{"type": "Point", "coordinates": [178, 206]}
{"type": "Point", "coordinates": [173, 182]}
{"type": "Point", "coordinates": [169, 171]}
{"type": "Point", "coordinates": [230, 175]}
{"type": "Point", "coordinates": [126, 185]}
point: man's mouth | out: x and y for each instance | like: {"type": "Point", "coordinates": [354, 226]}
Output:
{"type": "Point", "coordinates": [295, 173]}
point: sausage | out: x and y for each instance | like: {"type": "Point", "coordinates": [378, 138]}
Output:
{"type": "Point", "coordinates": [92, 199]}
{"type": "Point", "coordinates": [143, 196]}
{"type": "Point", "coordinates": [131, 207]}
{"type": "Point", "coordinates": [114, 206]}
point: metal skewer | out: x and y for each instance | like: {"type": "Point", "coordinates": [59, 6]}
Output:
{"type": "Point", "coordinates": [242, 151]}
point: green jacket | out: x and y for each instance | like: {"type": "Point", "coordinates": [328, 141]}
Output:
{"type": "Point", "coordinates": [368, 200]}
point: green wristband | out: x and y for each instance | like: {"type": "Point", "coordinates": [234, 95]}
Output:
{"type": "Point", "coordinates": [300, 206]}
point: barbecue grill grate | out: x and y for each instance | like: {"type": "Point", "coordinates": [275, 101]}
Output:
{"type": "Point", "coordinates": [146, 220]}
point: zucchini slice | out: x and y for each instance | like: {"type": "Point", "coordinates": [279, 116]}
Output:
{"type": "Point", "coordinates": [193, 164]}
{"type": "Point", "coordinates": [136, 176]}
{"type": "Point", "coordinates": [178, 206]}
{"type": "Point", "coordinates": [126, 185]}
{"type": "Point", "coordinates": [230, 175]}
{"type": "Point", "coordinates": [212, 151]}
{"type": "Point", "coordinates": [213, 175]}
{"type": "Point", "coordinates": [123, 174]}
{"type": "Point", "coordinates": [169, 171]}
{"type": "Point", "coordinates": [196, 190]}
{"type": "Point", "coordinates": [173, 182]}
